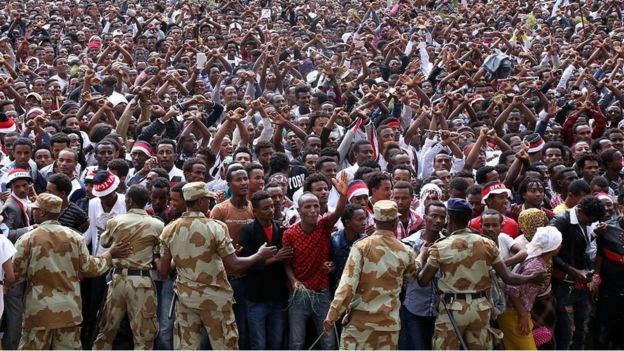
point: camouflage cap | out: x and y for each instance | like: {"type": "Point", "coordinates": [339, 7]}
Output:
{"type": "Point", "coordinates": [385, 210]}
{"type": "Point", "coordinates": [48, 202]}
{"type": "Point", "coordinates": [195, 190]}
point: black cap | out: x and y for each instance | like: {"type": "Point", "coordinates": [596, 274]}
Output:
{"type": "Point", "coordinates": [458, 205]}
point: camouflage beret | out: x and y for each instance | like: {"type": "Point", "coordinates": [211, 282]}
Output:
{"type": "Point", "coordinates": [48, 203]}
{"type": "Point", "coordinates": [385, 210]}
{"type": "Point", "coordinates": [196, 190]}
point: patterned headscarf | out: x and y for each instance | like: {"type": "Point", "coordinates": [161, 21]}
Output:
{"type": "Point", "coordinates": [531, 219]}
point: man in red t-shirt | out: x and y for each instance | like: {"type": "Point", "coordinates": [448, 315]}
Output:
{"type": "Point", "coordinates": [308, 270]}
{"type": "Point", "coordinates": [496, 196]}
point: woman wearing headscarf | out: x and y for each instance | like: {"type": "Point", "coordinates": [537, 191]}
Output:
{"type": "Point", "coordinates": [528, 222]}
{"type": "Point", "coordinates": [516, 322]}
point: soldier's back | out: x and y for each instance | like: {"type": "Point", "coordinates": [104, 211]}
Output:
{"type": "Point", "coordinates": [139, 230]}
{"type": "Point", "coordinates": [197, 245]}
{"type": "Point", "coordinates": [464, 259]}
{"type": "Point", "coordinates": [52, 296]}
{"type": "Point", "coordinates": [386, 262]}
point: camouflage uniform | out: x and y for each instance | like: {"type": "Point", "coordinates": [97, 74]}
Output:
{"type": "Point", "coordinates": [49, 258]}
{"type": "Point", "coordinates": [205, 298]}
{"type": "Point", "coordinates": [134, 294]}
{"type": "Point", "coordinates": [464, 259]}
{"type": "Point", "coordinates": [369, 289]}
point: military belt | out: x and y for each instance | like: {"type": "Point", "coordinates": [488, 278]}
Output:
{"type": "Point", "coordinates": [132, 272]}
{"type": "Point", "coordinates": [463, 296]}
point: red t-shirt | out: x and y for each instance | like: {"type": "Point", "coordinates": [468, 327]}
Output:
{"type": "Point", "coordinates": [268, 233]}
{"type": "Point", "coordinates": [509, 227]}
{"type": "Point", "coordinates": [310, 251]}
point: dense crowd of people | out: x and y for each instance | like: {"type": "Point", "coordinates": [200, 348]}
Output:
{"type": "Point", "coordinates": [281, 174]}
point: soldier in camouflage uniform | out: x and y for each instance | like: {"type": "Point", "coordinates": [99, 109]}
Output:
{"type": "Point", "coordinates": [201, 248]}
{"type": "Point", "coordinates": [370, 285]}
{"type": "Point", "coordinates": [464, 259]}
{"type": "Point", "coordinates": [50, 258]}
{"type": "Point", "coordinates": [131, 289]}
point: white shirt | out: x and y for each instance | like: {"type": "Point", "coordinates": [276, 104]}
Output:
{"type": "Point", "coordinates": [350, 172]}
{"type": "Point", "coordinates": [7, 250]}
{"type": "Point", "coordinates": [176, 172]}
{"type": "Point", "coordinates": [62, 82]}
{"type": "Point", "coordinates": [98, 219]}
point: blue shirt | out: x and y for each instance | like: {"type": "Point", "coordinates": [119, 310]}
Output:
{"type": "Point", "coordinates": [420, 301]}
{"type": "Point", "coordinates": [340, 248]}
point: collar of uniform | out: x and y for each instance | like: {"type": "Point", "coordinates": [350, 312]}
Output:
{"type": "Point", "coordinates": [384, 232]}
{"type": "Point", "coordinates": [137, 211]}
{"type": "Point", "coordinates": [462, 231]}
{"type": "Point", "coordinates": [193, 214]}
{"type": "Point", "coordinates": [50, 221]}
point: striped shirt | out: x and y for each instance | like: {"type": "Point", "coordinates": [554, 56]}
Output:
{"type": "Point", "coordinates": [73, 217]}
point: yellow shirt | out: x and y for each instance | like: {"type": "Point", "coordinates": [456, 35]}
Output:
{"type": "Point", "coordinates": [560, 208]}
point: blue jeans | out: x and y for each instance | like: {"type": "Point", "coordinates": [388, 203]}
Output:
{"type": "Point", "coordinates": [302, 307]}
{"type": "Point", "coordinates": [240, 312]}
{"type": "Point", "coordinates": [164, 293]}
{"type": "Point", "coordinates": [416, 331]}
{"type": "Point", "coordinates": [570, 302]}
{"type": "Point", "coordinates": [266, 322]}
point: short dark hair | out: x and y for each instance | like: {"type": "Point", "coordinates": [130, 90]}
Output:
{"type": "Point", "coordinates": [349, 211]}
{"type": "Point", "coordinates": [323, 160]}
{"type": "Point", "coordinates": [503, 156]}
{"type": "Point", "coordinates": [61, 182]}
{"type": "Point", "coordinates": [492, 212]}
{"type": "Point", "coordinates": [161, 172]}
{"type": "Point", "coordinates": [358, 144]}
{"type": "Point", "coordinates": [138, 194]}
{"type": "Point", "coordinates": [316, 177]}
{"type": "Point", "coordinates": [167, 142]}
{"type": "Point", "coordinates": [434, 203]}
{"type": "Point", "coordinates": [404, 185]}
{"type": "Point", "coordinates": [561, 172]}
{"type": "Point", "coordinates": [403, 168]}
{"type": "Point", "coordinates": [374, 181]}
{"type": "Point", "coordinates": [362, 171]}
{"type": "Point", "coordinates": [262, 144]}
{"type": "Point", "coordinates": [23, 141]}
{"type": "Point", "coordinates": [580, 163]}
{"type": "Point", "coordinates": [120, 166]}
{"type": "Point", "coordinates": [279, 162]}
{"type": "Point", "coordinates": [459, 184]}
{"type": "Point", "coordinates": [592, 208]}
{"type": "Point", "coordinates": [524, 185]}
{"type": "Point", "coordinates": [330, 152]}
{"type": "Point", "coordinates": [555, 144]}
{"type": "Point", "coordinates": [250, 167]}
{"type": "Point", "coordinates": [241, 149]}
{"type": "Point", "coordinates": [187, 166]}
{"type": "Point", "coordinates": [161, 183]}
{"type": "Point", "coordinates": [235, 167]}
{"type": "Point", "coordinates": [308, 153]}
{"type": "Point", "coordinates": [608, 156]}
{"type": "Point", "coordinates": [579, 187]}
{"type": "Point", "coordinates": [302, 89]}
{"type": "Point", "coordinates": [482, 172]}
{"type": "Point", "coordinates": [460, 218]}
{"type": "Point", "coordinates": [178, 187]}
{"type": "Point", "coordinates": [475, 190]}
{"type": "Point", "coordinates": [60, 138]}
{"type": "Point", "coordinates": [259, 196]}
{"type": "Point", "coordinates": [599, 181]}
